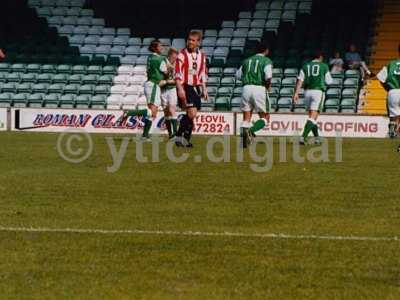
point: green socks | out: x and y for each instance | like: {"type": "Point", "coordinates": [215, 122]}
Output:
{"type": "Point", "coordinates": [147, 127]}
{"type": "Point", "coordinates": [174, 123]}
{"type": "Point", "coordinates": [258, 125]}
{"type": "Point", "coordinates": [172, 126]}
{"type": "Point", "coordinates": [311, 125]}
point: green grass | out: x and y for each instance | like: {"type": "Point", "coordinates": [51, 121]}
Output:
{"type": "Point", "coordinates": [356, 197]}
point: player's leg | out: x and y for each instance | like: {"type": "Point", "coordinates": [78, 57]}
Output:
{"type": "Point", "coordinates": [171, 102]}
{"type": "Point", "coordinates": [167, 115]}
{"type": "Point", "coordinates": [314, 101]}
{"type": "Point", "coordinates": [186, 125]}
{"type": "Point", "coordinates": [262, 107]}
{"type": "Point", "coordinates": [394, 112]}
{"type": "Point", "coordinates": [153, 96]}
{"type": "Point", "coordinates": [246, 107]}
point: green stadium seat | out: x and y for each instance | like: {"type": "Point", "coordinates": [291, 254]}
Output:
{"type": "Point", "coordinates": [90, 79]}
{"type": "Point", "coordinates": [333, 93]}
{"type": "Point", "coordinates": [274, 92]}
{"type": "Point", "coordinates": [337, 83]}
{"type": "Point", "coordinates": [222, 103]}
{"type": "Point", "coordinates": [289, 82]}
{"type": "Point", "coordinates": [352, 74]}
{"type": "Point", "coordinates": [96, 70]}
{"type": "Point", "coordinates": [8, 87]}
{"type": "Point", "coordinates": [98, 102]}
{"type": "Point", "coordinates": [102, 90]}
{"type": "Point", "coordinates": [5, 67]}
{"type": "Point", "coordinates": [35, 100]}
{"type": "Point", "coordinates": [336, 74]}
{"type": "Point", "coordinates": [5, 100]}
{"type": "Point", "coordinates": [24, 87]}
{"type": "Point", "coordinates": [215, 72]}
{"type": "Point", "coordinates": [20, 100]}
{"type": "Point", "coordinates": [18, 67]}
{"type": "Point", "coordinates": [214, 81]}
{"type": "Point", "coordinates": [40, 88]}
{"type": "Point", "coordinates": [14, 77]}
{"type": "Point", "coordinates": [273, 103]}
{"type": "Point", "coordinates": [110, 70]}
{"type": "Point", "coordinates": [237, 92]}
{"type": "Point", "coordinates": [86, 89]}
{"type": "Point", "coordinates": [225, 92]}
{"type": "Point", "coordinates": [82, 101]}
{"type": "Point", "coordinates": [75, 79]}
{"type": "Point", "coordinates": [60, 78]}
{"type": "Point", "coordinates": [51, 100]}
{"type": "Point", "coordinates": [67, 101]}
{"type": "Point", "coordinates": [212, 91]}
{"type": "Point", "coordinates": [28, 77]}
{"type": "Point", "coordinates": [3, 77]}
{"type": "Point", "coordinates": [285, 104]}
{"type": "Point", "coordinates": [286, 92]}
{"type": "Point", "coordinates": [332, 105]}
{"type": "Point", "coordinates": [236, 104]}
{"type": "Point", "coordinates": [348, 106]}
{"type": "Point", "coordinates": [64, 69]}
{"type": "Point", "coordinates": [349, 93]}
{"type": "Point", "coordinates": [56, 88]}
{"type": "Point", "coordinates": [71, 89]}
{"type": "Point", "coordinates": [44, 78]}
{"type": "Point", "coordinates": [79, 69]}
{"type": "Point", "coordinates": [277, 73]}
{"type": "Point", "coordinates": [228, 82]}
{"type": "Point", "coordinates": [351, 83]}
{"type": "Point", "coordinates": [291, 72]}
{"type": "Point", "coordinates": [49, 68]}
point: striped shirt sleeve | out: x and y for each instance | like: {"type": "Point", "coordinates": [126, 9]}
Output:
{"type": "Point", "coordinates": [179, 67]}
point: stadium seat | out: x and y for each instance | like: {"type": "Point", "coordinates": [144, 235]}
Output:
{"type": "Point", "coordinates": [222, 103]}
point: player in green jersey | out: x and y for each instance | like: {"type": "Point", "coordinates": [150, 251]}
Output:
{"type": "Point", "coordinates": [169, 97]}
{"type": "Point", "coordinates": [157, 70]}
{"type": "Point", "coordinates": [315, 77]}
{"type": "Point", "coordinates": [255, 74]}
{"type": "Point", "coordinates": [389, 77]}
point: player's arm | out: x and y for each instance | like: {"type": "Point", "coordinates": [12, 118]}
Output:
{"type": "Point", "coordinates": [268, 76]}
{"type": "Point", "coordinates": [164, 70]}
{"type": "Point", "coordinates": [204, 76]}
{"type": "Point", "coordinates": [299, 84]}
{"type": "Point", "coordinates": [328, 78]}
{"type": "Point", "coordinates": [179, 77]}
{"type": "Point", "coordinates": [382, 77]}
{"type": "Point", "coordinates": [2, 55]}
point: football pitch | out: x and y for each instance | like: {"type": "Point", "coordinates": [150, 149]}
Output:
{"type": "Point", "coordinates": [164, 230]}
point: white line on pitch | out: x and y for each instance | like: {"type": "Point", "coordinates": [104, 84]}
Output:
{"type": "Point", "coordinates": [200, 233]}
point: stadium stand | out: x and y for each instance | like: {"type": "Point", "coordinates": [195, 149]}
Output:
{"type": "Point", "coordinates": [71, 59]}
{"type": "Point", "coordinates": [384, 49]}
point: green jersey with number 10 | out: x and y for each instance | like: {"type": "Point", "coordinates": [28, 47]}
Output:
{"type": "Point", "coordinates": [253, 70]}
{"type": "Point", "coordinates": [315, 75]}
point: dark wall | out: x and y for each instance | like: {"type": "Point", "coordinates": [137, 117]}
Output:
{"type": "Point", "coordinates": [161, 18]}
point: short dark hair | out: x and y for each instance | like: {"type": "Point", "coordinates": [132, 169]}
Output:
{"type": "Point", "coordinates": [318, 53]}
{"type": "Point", "coordinates": [262, 47]}
{"type": "Point", "coordinates": [153, 45]}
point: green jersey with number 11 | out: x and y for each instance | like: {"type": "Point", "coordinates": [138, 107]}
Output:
{"type": "Point", "coordinates": [256, 70]}
{"type": "Point", "coordinates": [315, 76]}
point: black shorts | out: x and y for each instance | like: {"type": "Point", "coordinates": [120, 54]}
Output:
{"type": "Point", "coordinates": [193, 97]}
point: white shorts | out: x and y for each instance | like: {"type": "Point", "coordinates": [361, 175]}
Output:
{"type": "Point", "coordinates": [152, 92]}
{"type": "Point", "coordinates": [169, 97]}
{"type": "Point", "coordinates": [314, 100]}
{"type": "Point", "coordinates": [394, 103]}
{"type": "Point", "coordinates": [255, 99]}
